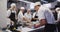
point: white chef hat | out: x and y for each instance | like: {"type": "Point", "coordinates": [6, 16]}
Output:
{"type": "Point", "coordinates": [57, 9]}
{"type": "Point", "coordinates": [13, 4]}
{"type": "Point", "coordinates": [22, 8]}
{"type": "Point", "coordinates": [37, 3]}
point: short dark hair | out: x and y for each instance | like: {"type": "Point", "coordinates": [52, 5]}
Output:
{"type": "Point", "coordinates": [38, 5]}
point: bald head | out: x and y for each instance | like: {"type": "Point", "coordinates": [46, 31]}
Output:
{"type": "Point", "coordinates": [22, 9]}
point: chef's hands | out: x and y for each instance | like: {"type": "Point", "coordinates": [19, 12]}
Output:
{"type": "Point", "coordinates": [30, 25]}
{"type": "Point", "coordinates": [26, 19]}
{"type": "Point", "coordinates": [37, 25]}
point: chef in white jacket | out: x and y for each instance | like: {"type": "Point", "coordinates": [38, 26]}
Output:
{"type": "Point", "coordinates": [58, 19]}
{"type": "Point", "coordinates": [45, 17]}
{"type": "Point", "coordinates": [20, 15]}
{"type": "Point", "coordinates": [28, 14]}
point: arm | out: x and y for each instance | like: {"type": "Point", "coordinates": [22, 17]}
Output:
{"type": "Point", "coordinates": [58, 17]}
{"type": "Point", "coordinates": [35, 18]}
{"type": "Point", "coordinates": [26, 19]}
{"type": "Point", "coordinates": [41, 23]}
{"type": "Point", "coordinates": [8, 13]}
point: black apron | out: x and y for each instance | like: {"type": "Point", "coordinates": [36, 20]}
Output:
{"type": "Point", "coordinates": [12, 16]}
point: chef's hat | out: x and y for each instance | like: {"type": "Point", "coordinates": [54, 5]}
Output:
{"type": "Point", "coordinates": [37, 3]}
{"type": "Point", "coordinates": [22, 8]}
{"type": "Point", "coordinates": [57, 9]}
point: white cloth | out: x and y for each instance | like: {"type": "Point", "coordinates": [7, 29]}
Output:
{"type": "Point", "coordinates": [9, 12]}
{"type": "Point", "coordinates": [45, 13]}
{"type": "Point", "coordinates": [26, 29]}
{"type": "Point", "coordinates": [20, 16]}
{"type": "Point", "coordinates": [29, 16]}
{"type": "Point", "coordinates": [35, 14]}
{"type": "Point", "coordinates": [59, 15]}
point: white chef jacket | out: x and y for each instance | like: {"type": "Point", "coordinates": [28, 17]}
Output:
{"type": "Point", "coordinates": [59, 15]}
{"type": "Point", "coordinates": [45, 13]}
{"type": "Point", "coordinates": [29, 16]}
{"type": "Point", "coordinates": [20, 16]}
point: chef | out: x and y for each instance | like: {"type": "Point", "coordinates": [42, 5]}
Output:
{"type": "Point", "coordinates": [11, 13]}
{"type": "Point", "coordinates": [58, 19]}
{"type": "Point", "coordinates": [20, 15]}
{"type": "Point", "coordinates": [45, 17]}
{"type": "Point", "coordinates": [28, 14]}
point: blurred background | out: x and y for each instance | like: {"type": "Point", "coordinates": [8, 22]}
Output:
{"type": "Point", "coordinates": [28, 3]}
{"type": "Point", "coordinates": [52, 4]}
